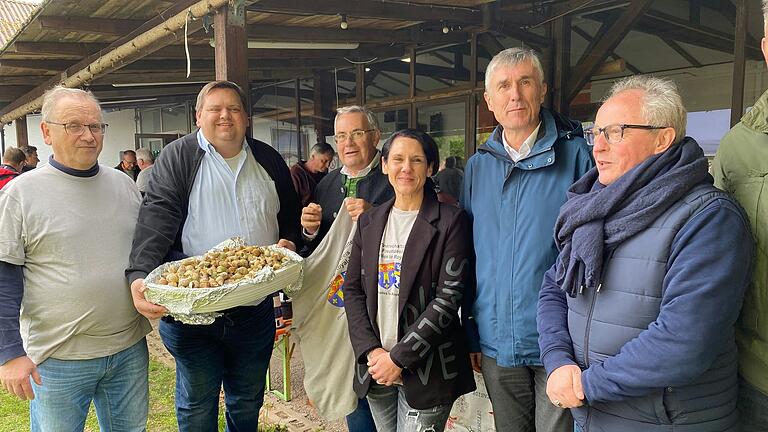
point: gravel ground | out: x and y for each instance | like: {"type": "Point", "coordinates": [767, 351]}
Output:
{"type": "Point", "coordinates": [297, 414]}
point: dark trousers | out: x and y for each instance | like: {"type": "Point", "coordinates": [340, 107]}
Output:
{"type": "Point", "coordinates": [361, 420]}
{"type": "Point", "coordinates": [234, 352]}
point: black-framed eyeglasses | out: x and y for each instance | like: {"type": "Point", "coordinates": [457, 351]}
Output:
{"type": "Point", "coordinates": [355, 135]}
{"type": "Point", "coordinates": [614, 133]}
{"type": "Point", "coordinates": [78, 129]}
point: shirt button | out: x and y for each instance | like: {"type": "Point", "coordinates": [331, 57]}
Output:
{"type": "Point", "coordinates": [341, 189]}
{"type": "Point", "coordinates": [549, 159]}
{"type": "Point", "coordinates": [669, 389]}
{"type": "Point", "coordinates": [335, 214]}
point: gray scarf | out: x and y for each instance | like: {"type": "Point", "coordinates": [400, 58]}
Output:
{"type": "Point", "coordinates": [598, 218]}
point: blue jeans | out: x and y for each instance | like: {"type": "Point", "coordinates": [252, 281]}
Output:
{"type": "Point", "coordinates": [117, 385]}
{"type": "Point", "coordinates": [233, 351]}
{"type": "Point", "coordinates": [753, 408]}
{"type": "Point", "coordinates": [392, 413]}
{"type": "Point", "coordinates": [360, 420]}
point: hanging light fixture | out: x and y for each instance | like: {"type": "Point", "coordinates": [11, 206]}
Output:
{"type": "Point", "coordinates": [344, 24]}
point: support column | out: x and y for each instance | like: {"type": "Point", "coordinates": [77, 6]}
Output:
{"type": "Point", "coordinates": [562, 65]}
{"type": "Point", "coordinates": [324, 85]}
{"type": "Point", "coordinates": [22, 137]}
{"type": "Point", "coordinates": [739, 62]}
{"type": "Point", "coordinates": [297, 96]}
{"type": "Point", "coordinates": [232, 46]}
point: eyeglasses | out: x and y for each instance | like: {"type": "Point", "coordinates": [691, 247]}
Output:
{"type": "Point", "coordinates": [614, 133]}
{"type": "Point", "coordinates": [78, 129]}
{"type": "Point", "coordinates": [356, 135]}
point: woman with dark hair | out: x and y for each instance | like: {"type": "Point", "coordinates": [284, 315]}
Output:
{"type": "Point", "coordinates": [408, 269]}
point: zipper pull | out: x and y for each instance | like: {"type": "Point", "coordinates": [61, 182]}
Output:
{"type": "Point", "coordinates": [581, 289]}
{"type": "Point", "coordinates": [600, 285]}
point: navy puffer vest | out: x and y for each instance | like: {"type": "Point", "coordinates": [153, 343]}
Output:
{"type": "Point", "coordinates": [628, 301]}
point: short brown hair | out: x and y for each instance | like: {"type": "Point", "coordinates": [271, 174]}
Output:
{"type": "Point", "coordinates": [13, 156]}
{"type": "Point", "coordinates": [213, 85]}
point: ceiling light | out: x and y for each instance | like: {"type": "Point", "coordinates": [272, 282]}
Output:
{"type": "Point", "coordinates": [344, 24]}
{"type": "Point", "coordinates": [405, 59]}
{"type": "Point", "coordinates": [446, 29]}
{"type": "Point", "coordinates": [303, 45]}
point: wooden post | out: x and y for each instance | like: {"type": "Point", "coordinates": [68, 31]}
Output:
{"type": "Point", "coordinates": [22, 136]}
{"type": "Point", "coordinates": [323, 106]}
{"type": "Point", "coordinates": [360, 84]}
{"type": "Point", "coordinates": [561, 65]}
{"type": "Point", "coordinates": [232, 46]}
{"type": "Point", "coordinates": [739, 60]}
{"type": "Point", "coordinates": [471, 143]}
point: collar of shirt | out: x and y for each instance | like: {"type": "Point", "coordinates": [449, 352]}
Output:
{"type": "Point", "coordinates": [363, 172]}
{"type": "Point", "coordinates": [525, 147]}
{"type": "Point", "coordinates": [211, 151]}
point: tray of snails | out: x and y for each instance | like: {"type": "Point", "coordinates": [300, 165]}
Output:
{"type": "Point", "coordinates": [229, 275]}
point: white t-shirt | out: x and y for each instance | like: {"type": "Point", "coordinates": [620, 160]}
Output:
{"type": "Point", "coordinates": [73, 236]}
{"type": "Point", "coordinates": [396, 232]}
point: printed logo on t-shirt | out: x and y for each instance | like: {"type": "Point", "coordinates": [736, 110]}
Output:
{"type": "Point", "coordinates": [389, 276]}
{"type": "Point", "coordinates": [335, 292]}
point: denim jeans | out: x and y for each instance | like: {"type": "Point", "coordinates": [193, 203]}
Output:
{"type": "Point", "coordinates": [233, 351]}
{"type": "Point", "coordinates": [360, 420]}
{"type": "Point", "coordinates": [519, 399]}
{"type": "Point", "coordinates": [391, 412]}
{"type": "Point", "coordinates": [117, 385]}
{"type": "Point", "coordinates": [753, 408]}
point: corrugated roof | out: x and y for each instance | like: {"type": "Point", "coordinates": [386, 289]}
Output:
{"type": "Point", "coordinates": [13, 15]}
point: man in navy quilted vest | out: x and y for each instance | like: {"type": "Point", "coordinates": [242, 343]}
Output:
{"type": "Point", "coordinates": [636, 318]}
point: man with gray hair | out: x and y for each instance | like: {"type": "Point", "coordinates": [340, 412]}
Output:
{"type": "Point", "coordinates": [636, 317]}
{"type": "Point", "coordinates": [144, 160]}
{"type": "Point", "coordinates": [739, 168]}
{"type": "Point", "coordinates": [360, 184]}
{"type": "Point", "coordinates": [69, 333]}
{"type": "Point", "coordinates": [513, 187]}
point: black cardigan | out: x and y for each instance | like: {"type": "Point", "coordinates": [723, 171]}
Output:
{"type": "Point", "coordinates": [164, 210]}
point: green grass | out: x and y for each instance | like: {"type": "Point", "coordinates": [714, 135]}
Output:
{"type": "Point", "coordinates": [14, 413]}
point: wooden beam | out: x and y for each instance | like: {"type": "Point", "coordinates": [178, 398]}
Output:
{"type": "Point", "coordinates": [232, 46]}
{"type": "Point", "coordinates": [22, 135]}
{"type": "Point", "coordinates": [414, 35]}
{"type": "Point", "coordinates": [670, 27]}
{"type": "Point", "coordinates": [324, 102]}
{"type": "Point", "coordinates": [372, 10]}
{"type": "Point", "coordinates": [739, 63]}
{"type": "Point", "coordinates": [683, 53]}
{"type": "Point", "coordinates": [37, 65]}
{"type": "Point", "coordinates": [87, 25]}
{"type": "Point", "coordinates": [587, 37]}
{"type": "Point", "coordinates": [614, 34]}
{"type": "Point", "coordinates": [176, 8]}
{"type": "Point", "coordinates": [56, 48]}
{"type": "Point", "coordinates": [562, 64]}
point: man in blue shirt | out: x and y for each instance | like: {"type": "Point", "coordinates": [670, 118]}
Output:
{"type": "Point", "coordinates": [205, 188]}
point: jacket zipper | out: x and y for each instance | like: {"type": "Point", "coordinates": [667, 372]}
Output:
{"type": "Point", "coordinates": [589, 325]}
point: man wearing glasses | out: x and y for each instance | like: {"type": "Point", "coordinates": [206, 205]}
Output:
{"type": "Point", "coordinates": [359, 180]}
{"type": "Point", "coordinates": [362, 184]}
{"type": "Point", "coordinates": [636, 317]}
{"type": "Point", "coordinates": [69, 333]}
{"type": "Point", "coordinates": [204, 188]}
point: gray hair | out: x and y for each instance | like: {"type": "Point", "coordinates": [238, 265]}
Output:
{"type": "Point", "coordinates": [323, 149]}
{"type": "Point", "coordinates": [145, 154]}
{"type": "Point", "coordinates": [512, 57]}
{"type": "Point", "coordinates": [661, 104]}
{"type": "Point", "coordinates": [213, 85]}
{"type": "Point", "coordinates": [52, 97]}
{"type": "Point", "coordinates": [765, 11]}
{"type": "Point", "coordinates": [372, 121]}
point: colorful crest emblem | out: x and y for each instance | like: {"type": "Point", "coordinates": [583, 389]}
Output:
{"type": "Point", "coordinates": [389, 276]}
{"type": "Point", "coordinates": [335, 293]}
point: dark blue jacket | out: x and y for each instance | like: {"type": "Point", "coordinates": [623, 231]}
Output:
{"type": "Point", "coordinates": [513, 207]}
{"type": "Point", "coordinates": [656, 342]}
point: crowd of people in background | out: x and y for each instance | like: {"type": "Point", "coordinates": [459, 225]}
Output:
{"type": "Point", "coordinates": [598, 279]}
